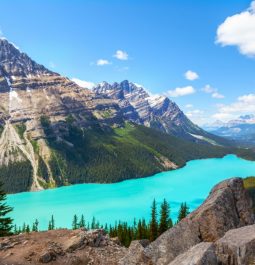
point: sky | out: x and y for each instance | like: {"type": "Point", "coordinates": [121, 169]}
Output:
{"type": "Point", "coordinates": [201, 54]}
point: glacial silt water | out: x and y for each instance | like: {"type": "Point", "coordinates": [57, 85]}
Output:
{"type": "Point", "coordinates": [128, 199]}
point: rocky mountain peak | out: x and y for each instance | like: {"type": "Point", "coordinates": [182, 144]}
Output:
{"type": "Point", "coordinates": [15, 63]}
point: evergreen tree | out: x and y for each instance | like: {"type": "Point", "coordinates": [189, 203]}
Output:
{"type": "Point", "coordinates": [75, 222]}
{"type": "Point", "coordinates": [165, 220]}
{"type": "Point", "coordinates": [82, 222]}
{"type": "Point", "coordinates": [24, 228]}
{"type": "Point", "coordinates": [5, 222]}
{"type": "Point", "coordinates": [15, 230]}
{"type": "Point", "coordinates": [51, 225]}
{"type": "Point", "coordinates": [93, 224]}
{"type": "Point", "coordinates": [27, 229]}
{"type": "Point", "coordinates": [36, 225]}
{"type": "Point", "coordinates": [183, 212]}
{"type": "Point", "coordinates": [153, 222]}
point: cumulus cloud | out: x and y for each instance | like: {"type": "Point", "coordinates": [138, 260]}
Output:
{"type": "Point", "coordinates": [189, 106]}
{"type": "Point", "coordinates": [213, 91]}
{"type": "Point", "coordinates": [190, 75]}
{"type": "Point", "coordinates": [238, 30]}
{"type": "Point", "coordinates": [102, 62]}
{"type": "Point", "coordinates": [217, 95]}
{"type": "Point", "coordinates": [197, 116]}
{"type": "Point", "coordinates": [181, 91]}
{"type": "Point", "coordinates": [121, 55]}
{"type": "Point", "coordinates": [243, 105]}
{"type": "Point", "coordinates": [83, 83]}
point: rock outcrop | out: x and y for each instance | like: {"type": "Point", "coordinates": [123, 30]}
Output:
{"type": "Point", "coordinates": [227, 207]}
{"type": "Point", "coordinates": [237, 246]}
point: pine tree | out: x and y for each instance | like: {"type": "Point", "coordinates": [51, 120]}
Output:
{"type": "Point", "coordinates": [27, 229]}
{"type": "Point", "coordinates": [15, 230]}
{"type": "Point", "coordinates": [24, 228]}
{"type": "Point", "coordinates": [75, 222]}
{"type": "Point", "coordinates": [165, 220]}
{"type": "Point", "coordinates": [183, 212]}
{"type": "Point", "coordinates": [36, 225]}
{"type": "Point", "coordinates": [5, 222]}
{"type": "Point", "coordinates": [82, 222]}
{"type": "Point", "coordinates": [153, 222]}
{"type": "Point", "coordinates": [51, 225]}
{"type": "Point", "coordinates": [93, 224]}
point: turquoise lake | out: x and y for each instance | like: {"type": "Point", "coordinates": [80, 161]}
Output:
{"type": "Point", "coordinates": [128, 199]}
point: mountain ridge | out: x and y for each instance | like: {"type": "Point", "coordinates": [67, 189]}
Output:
{"type": "Point", "coordinates": [54, 132]}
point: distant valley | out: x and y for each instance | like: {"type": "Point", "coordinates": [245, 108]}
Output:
{"type": "Point", "coordinates": [241, 130]}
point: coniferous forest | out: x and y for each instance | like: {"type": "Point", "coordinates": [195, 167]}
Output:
{"type": "Point", "coordinates": [160, 221]}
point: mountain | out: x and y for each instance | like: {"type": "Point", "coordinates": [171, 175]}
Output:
{"type": "Point", "coordinates": [242, 130]}
{"type": "Point", "coordinates": [157, 112]}
{"type": "Point", "coordinates": [54, 133]}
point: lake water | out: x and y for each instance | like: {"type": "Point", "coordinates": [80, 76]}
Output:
{"type": "Point", "coordinates": [128, 199]}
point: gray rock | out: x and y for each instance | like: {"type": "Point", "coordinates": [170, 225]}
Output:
{"type": "Point", "coordinates": [47, 256]}
{"type": "Point", "coordinates": [201, 254]}
{"type": "Point", "coordinates": [135, 254]}
{"type": "Point", "coordinates": [237, 247]}
{"type": "Point", "coordinates": [173, 242]}
{"type": "Point", "coordinates": [227, 207]}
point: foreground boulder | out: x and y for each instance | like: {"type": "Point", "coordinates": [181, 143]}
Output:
{"type": "Point", "coordinates": [228, 206]}
{"type": "Point", "coordinates": [200, 254]}
{"type": "Point", "coordinates": [237, 247]}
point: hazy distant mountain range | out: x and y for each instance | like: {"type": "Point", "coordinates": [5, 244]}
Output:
{"type": "Point", "coordinates": [53, 132]}
{"type": "Point", "coordinates": [242, 129]}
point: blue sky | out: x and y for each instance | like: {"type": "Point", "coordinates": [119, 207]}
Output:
{"type": "Point", "coordinates": [157, 43]}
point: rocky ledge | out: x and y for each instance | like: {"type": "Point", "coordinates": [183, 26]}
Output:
{"type": "Point", "coordinates": [220, 231]}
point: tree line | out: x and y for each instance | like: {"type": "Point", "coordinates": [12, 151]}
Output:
{"type": "Point", "coordinates": [159, 222]}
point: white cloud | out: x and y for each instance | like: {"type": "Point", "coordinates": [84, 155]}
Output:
{"type": "Point", "coordinates": [243, 105]}
{"type": "Point", "coordinates": [83, 83]}
{"type": "Point", "coordinates": [190, 75]}
{"type": "Point", "coordinates": [1, 33]}
{"type": "Point", "coordinates": [197, 116]}
{"type": "Point", "coordinates": [181, 91]}
{"type": "Point", "coordinates": [239, 30]}
{"type": "Point", "coordinates": [213, 91]}
{"type": "Point", "coordinates": [217, 95]}
{"type": "Point", "coordinates": [101, 62]}
{"type": "Point", "coordinates": [189, 106]}
{"type": "Point", "coordinates": [121, 55]}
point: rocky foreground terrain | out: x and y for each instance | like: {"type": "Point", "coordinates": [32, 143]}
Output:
{"type": "Point", "coordinates": [220, 231]}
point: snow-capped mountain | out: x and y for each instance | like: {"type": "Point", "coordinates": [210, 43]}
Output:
{"type": "Point", "coordinates": [241, 129]}
{"type": "Point", "coordinates": [154, 111]}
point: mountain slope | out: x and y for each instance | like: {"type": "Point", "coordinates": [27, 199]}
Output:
{"type": "Point", "coordinates": [157, 112]}
{"type": "Point", "coordinates": [53, 132]}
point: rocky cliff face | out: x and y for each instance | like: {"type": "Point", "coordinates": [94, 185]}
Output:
{"type": "Point", "coordinates": [153, 111]}
{"type": "Point", "coordinates": [220, 232]}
